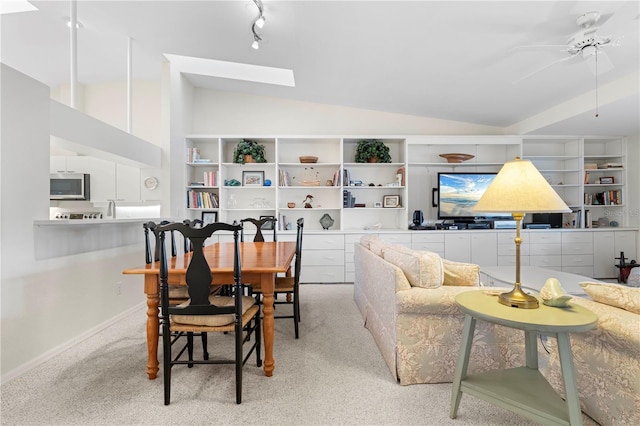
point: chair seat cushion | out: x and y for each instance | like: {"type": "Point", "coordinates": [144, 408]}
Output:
{"type": "Point", "coordinates": [214, 320]}
{"type": "Point", "coordinates": [282, 284]}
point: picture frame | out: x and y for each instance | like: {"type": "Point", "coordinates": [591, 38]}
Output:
{"type": "Point", "coordinates": [608, 180]}
{"type": "Point", "coordinates": [252, 178]}
{"type": "Point", "coordinates": [209, 217]}
{"type": "Point", "coordinates": [268, 226]}
{"type": "Point", "coordinates": [377, 204]}
{"type": "Point", "coordinates": [390, 201]}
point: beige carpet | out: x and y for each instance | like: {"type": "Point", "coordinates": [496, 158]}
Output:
{"type": "Point", "coordinates": [332, 375]}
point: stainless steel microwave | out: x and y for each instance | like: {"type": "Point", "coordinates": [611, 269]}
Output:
{"type": "Point", "coordinates": [69, 186]}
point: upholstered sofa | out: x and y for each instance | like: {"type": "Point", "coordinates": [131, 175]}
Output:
{"type": "Point", "coordinates": [607, 359]}
{"type": "Point", "coordinates": [407, 300]}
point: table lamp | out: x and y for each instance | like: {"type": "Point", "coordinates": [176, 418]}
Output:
{"type": "Point", "coordinates": [519, 188]}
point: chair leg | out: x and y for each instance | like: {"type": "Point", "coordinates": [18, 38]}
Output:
{"type": "Point", "coordinates": [205, 351]}
{"type": "Point", "coordinates": [166, 362]}
{"type": "Point", "coordinates": [239, 336]}
{"type": "Point", "coordinates": [296, 313]}
{"type": "Point", "coordinates": [190, 348]}
{"type": "Point", "coordinates": [258, 340]}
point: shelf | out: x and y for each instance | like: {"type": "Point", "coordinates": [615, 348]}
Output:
{"type": "Point", "coordinates": [588, 206]}
{"type": "Point", "coordinates": [308, 164]}
{"type": "Point", "coordinates": [551, 157]}
{"type": "Point", "coordinates": [602, 185]}
{"type": "Point", "coordinates": [248, 165]}
{"type": "Point", "coordinates": [208, 209]}
{"type": "Point", "coordinates": [609, 169]}
{"type": "Point", "coordinates": [465, 164]}
{"type": "Point", "coordinates": [212, 164]}
{"type": "Point", "coordinates": [373, 164]}
{"type": "Point", "coordinates": [373, 187]}
{"type": "Point", "coordinates": [310, 187]}
{"type": "Point", "coordinates": [285, 209]}
{"type": "Point", "coordinates": [201, 187]}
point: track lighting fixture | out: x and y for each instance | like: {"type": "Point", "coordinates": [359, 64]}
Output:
{"type": "Point", "coordinates": [259, 22]}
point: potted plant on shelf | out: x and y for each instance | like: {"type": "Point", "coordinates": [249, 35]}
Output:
{"type": "Point", "coordinates": [372, 151]}
{"type": "Point", "coordinates": [249, 151]}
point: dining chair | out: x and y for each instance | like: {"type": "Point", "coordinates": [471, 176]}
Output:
{"type": "Point", "coordinates": [270, 221]}
{"type": "Point", "coordinates": [203, 312]}
{"type": "Point", "coordinates": [289, 285]}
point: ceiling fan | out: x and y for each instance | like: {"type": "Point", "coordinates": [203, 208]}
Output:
{"type": "Point", "coordinates": [588, 43]}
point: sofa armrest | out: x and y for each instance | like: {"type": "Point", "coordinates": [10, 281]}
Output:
{"type": "Point", "coordinates": [461, 274]}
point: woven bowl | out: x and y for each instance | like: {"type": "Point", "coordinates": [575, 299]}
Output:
{"type": "Point", "coordinates": [308, 159]}
{"type": "Point", "coordinates": [456, 158]}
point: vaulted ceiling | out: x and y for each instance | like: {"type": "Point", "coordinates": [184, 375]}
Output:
{"type": "Point", "coordinates": [501, 64]}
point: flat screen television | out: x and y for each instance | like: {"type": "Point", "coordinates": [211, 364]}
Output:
{"type": "Point", "coordinates": [459, 192]}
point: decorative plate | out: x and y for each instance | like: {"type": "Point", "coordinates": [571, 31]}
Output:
{"type": "Point", "coordinates": [326, 221]}
{"type": "Point", "coordinates": [308, 159]}
{"type": "Point", "coordinates": [457, 157]}
{"type": "Point", "coordinates": [151, 183]}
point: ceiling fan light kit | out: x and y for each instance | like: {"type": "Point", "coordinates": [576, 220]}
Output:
{"type": "Point", "coordinates": [258, 22]}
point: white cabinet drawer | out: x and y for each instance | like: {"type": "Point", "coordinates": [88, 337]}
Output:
{"type": "Point", "coordinates": [537, 237]}
{"type": "Point", "coordinates": [510, 249]}
{"type": "Point", "coordinates": [511, 261]}
{"type": "Point", "coordinates": [322, 274]}
{"type": "Point", "coordinates": [348, 257]}
{"type": "Point", "coordinates": [349, 267]}
{"type": "Point", "coordinates": [585, 271]}
{"type": "Point", "coordinates": [427, 237]}
{"type": "Point", "coordinates": [328, 241]}
{"type": "Point", "coordinates": [577, 248]}
{"type": "Point", "coordinates": [545, 249]}
{"type": "Point", "coordinates": [322, 257]}
{"type": "Point", "coordinates": [349, 277]}
{"type": "Point", "coordinates": [577, 237]}
{"type": "Point", "coordinates": [402, 239]}
{"type": "Point", "coordinates": [545, 261]}
{"type": "Point", "coordinates": [577, 260]}
{"type": "Point", "coordinates": [349, 239]}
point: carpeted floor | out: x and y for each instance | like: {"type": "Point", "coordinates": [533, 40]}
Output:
{"type": "Point", "coordinates": [332, 375]}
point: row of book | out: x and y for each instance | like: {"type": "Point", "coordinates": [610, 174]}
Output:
{"type": "Point", "coordinates": [606, 198]}
{"type": "Point", "coordinates": [202, 200]}
{"type": "Point", "coordinates": [348, 200]}
{"type": "Point", "coordinates": [193, 156]}
{"type": "Point", "coordinates": [210, 179]}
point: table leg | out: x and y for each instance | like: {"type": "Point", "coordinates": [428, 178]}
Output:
{"type": "Point", "coordinates": [462, 364]}
{"type": "Point", "coordinates": [267, 283]}
{"type": "Point", "coordinates": [151, 290]}
{"type": "Point", "coordinates": [569, 378]}
{"type": "Point", "coordinates": [531, 349]}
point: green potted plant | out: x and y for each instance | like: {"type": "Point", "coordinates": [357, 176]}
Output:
{"type": "Point", "coordinates": [372, 151]}
{"type": "Point", "coordinates": [249, 151]}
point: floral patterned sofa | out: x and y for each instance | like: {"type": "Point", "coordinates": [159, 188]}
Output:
{"type": "Point", "coordinates": [407, 300]}
{"type": "Point", "coordinates": [607, 359]}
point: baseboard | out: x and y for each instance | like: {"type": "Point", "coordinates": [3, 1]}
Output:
{"type": "Point", "coordinates": [19, 371]}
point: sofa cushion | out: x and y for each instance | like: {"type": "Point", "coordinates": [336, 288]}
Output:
{"type": "Point", "coordinates": [365, 240]}
{"type": "Point", "coordinates": [376, 245]}
{"type": "Point", "coordinates": [616, 295]}
{"type": "Point", "coordinates": [422, 268]}
{"type": "Point", "coordinates": [461, 274]}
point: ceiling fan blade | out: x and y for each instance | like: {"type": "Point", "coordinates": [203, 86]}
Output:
{"type": "Point", "coordinates": [559, 47]}
{"type": "Point", "coordinates": [566, 58]}
{"type": "Point", "coordinates": [620, 19]}
{"type": "Point", "coordinates": [604, 64]}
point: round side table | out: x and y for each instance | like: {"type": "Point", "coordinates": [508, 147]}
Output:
{"type": "Point", "coordinates": [522, 390]}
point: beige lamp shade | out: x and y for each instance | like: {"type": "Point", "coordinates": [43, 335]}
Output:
{"type": "Point", "coordinates": [520, 188]}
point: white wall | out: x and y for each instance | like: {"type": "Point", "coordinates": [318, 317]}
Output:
{"type": "Point", "coordinates": [45, 303]}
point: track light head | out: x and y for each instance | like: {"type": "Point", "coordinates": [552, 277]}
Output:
{"type": "Point", "coordinates": [260, 21]}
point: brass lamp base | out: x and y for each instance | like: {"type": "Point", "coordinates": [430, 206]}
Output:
{"type": "Point", "coordinates": [517, 298]}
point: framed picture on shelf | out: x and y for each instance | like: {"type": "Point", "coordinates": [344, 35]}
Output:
{"type": "Point", "coordinates": [209, 217]}
{"type": "Point", "coordinates": [390, 201]}
{"type": "Point", "coordinates": [252, 178]}
{"type": "Point", "coordinates": [607, 180]}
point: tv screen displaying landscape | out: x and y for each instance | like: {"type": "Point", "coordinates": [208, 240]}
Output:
{"type": "Point", "coordinates": [458, 193]}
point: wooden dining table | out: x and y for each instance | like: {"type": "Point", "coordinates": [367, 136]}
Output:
{"type": "Point", "coordinates": [260, 262]}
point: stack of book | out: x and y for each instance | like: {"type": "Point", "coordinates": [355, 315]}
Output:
{"type": "Point", "coordinates": [202, 200]}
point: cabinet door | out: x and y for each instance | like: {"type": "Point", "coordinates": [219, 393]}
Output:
{"type": "Point", "coordinates": [457, 247]}
{"type": "Point", "coordinates": [102, 179]}
{"type": "Point", "coordinates": [603, 250]}
{"type": "Point", "coordinates": [127, 183]}
{"type": "Point", "coordinates": [484, 248]}
{"type": "Point", "coordinates": [57, 164]}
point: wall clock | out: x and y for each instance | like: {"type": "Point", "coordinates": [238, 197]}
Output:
{"type": "Point", "coordinates": [151, 183]}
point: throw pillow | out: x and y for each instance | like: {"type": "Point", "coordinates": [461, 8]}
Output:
{"type": "Point", "coordinates": [422, 268]}
{"type": "Point", "coordinates": [616, 295]}
{"type": "Point", "coordinates": [461, 274]}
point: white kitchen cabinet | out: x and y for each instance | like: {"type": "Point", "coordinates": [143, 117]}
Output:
{"type": "Point", "coordinates": [457, 246]}
{"type": "Point", "coordinates": [484, 247]}
{"type": "Point", "coordinates": [127, 183]}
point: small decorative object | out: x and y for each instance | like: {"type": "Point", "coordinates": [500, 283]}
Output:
{"type": "Point", "coordinates": [614, 224]}
{"type": "Point", "coordinates": [456, 157]}
{"type": "Point", "coordinates": [232, 182]}
{"type": "Point", "coordinates": [553, 294]}
{"type": "Point", "coordinates": [151, 183]}
{"type": "Point", "coordinates": [374, 226]}
{"type": "Point", "coordinates": [326, 221]}
{"type": "Point", "coordinates": [209, 217]}
{"type": "Point", "coordinates": [252, 178]}
{"type": "Point", "coordinates": [291, 205]}
{"type": "Point", "coordinates": [377, 204]}
{"type": "Point", "coordinates": [307, 201]}
{"type": "Point", "coordinates": [607, 180]}
{"type": "Point", "coordinates": [250, 148]}
{"type": "Point", "coordinates": [232, 203]}
{"type": "Point", "coordinates": [267, 182]}
{"type": "Point", "coordinates": [603, 222]}
{"type": "Point", "coordinates": [310, 177]}
{"type": "Point", "coordinates": [372, 151]}
{"type": "Point", "coordinates": [391, 201]}
{"type": "Point", "coordinates": [308, 159]}
{"type": "Point", "coordinates": [329, 182]}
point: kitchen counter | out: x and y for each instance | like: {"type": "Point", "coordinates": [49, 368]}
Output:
{"type": "Point", "coordinates": [74, 222]}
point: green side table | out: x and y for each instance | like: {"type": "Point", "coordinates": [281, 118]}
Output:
{"type": "Point", "coordinates": [522, 390]}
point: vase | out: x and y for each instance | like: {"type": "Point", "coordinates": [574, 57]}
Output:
{"type": "Point", "coordinates": [373, 160]}
{"type": "Point", "coordinates": [248, 158]}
